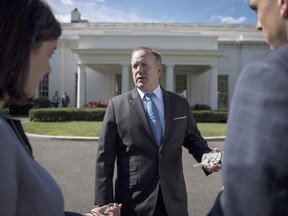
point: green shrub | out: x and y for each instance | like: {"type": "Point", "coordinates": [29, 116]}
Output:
{"type": "Point", "coordinates": [97, 114]}
{"type": "Point", "coordinates": [19, 110]}
{"type": "Point", "coordinates": [4, 110]}
{"type": "Point", "coordinates": [66, 114]}
{"type": "Point", "coordinates": [210, 116]}
{"type": "Point", "coordinates": [201, 107]}
{"type": "Point", "coordinates": [16, 109]}
{"type": "Point", "coordinates": [41, 103]}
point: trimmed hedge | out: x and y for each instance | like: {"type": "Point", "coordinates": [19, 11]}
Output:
{"type": "Point", "coordinates": [210, 116]}
{"type": "Point", "coordinates": [16, 109]}
{"type": "Point", "coordinates": [4, 110]}
{"type": "Point", "coordinates": [97, 114]}
{"type": "Point", "coordinates": [66, 114]}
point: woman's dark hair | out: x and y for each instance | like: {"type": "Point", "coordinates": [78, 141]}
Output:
{"type": "Point", "coordinates": [24, 26]}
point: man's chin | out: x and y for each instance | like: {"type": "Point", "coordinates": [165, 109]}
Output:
{"type": "Point", "coordinates": [140, 85]}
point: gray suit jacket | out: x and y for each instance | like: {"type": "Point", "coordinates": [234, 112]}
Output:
{"type": "Point", "coordinates": [255, 166]}
{"type": "Point", "coordinates": [142, 166]}
{"type": "Point", "coordinates": [26, 188]}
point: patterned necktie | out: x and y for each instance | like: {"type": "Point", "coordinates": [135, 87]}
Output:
{"type": "Point", "coordinates": [153, 117]}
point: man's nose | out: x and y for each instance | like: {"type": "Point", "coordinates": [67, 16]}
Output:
{"type": "Point", "coordinates": [139, 69]}
{"type": "Point", "coordinates": [258, 25]}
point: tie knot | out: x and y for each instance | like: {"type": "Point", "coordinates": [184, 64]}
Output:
{"type": "Point", "coordinates": [149, 96]}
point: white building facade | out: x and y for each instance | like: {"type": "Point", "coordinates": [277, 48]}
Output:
{"type": "Point", "coordinates": [202, 62]}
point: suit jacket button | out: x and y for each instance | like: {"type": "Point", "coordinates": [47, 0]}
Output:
{"type": "Point", "coordinates": [157, 177]}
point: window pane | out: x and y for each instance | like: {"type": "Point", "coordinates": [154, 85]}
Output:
{"type": "Point", "coordinates": [181, 85]}
{"type": "Point", "coordinates": [44, 87]}
{"type": "Point", "coordinates": [223, 92]}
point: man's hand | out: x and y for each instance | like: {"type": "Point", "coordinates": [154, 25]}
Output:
{"type": "Point", "coordinates": [209, 164]}
{"type": "Point", "coordinates": [112, 209]}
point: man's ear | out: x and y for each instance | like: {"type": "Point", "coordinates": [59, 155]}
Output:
{"type": "Point", "coordinates": [284, 8]}
{"type": "Point", "coordinates": [160, 69]}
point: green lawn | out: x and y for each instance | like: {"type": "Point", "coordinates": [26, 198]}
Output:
{"type": "Point", "coordinates": [92, 129]}
{"type": "Point", "coordinates": [212, 129]}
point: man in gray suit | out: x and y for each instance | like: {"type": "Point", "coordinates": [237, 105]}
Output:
{"type": "Point", "coordinates": [150, 178]}
{"type": "Point", "coordinates": [255, 169]}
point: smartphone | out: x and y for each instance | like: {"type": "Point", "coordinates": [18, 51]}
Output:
{"type": "Point", "coordinates": [214, 157]}
{"type": "Point", "coordinates": [110, 205]}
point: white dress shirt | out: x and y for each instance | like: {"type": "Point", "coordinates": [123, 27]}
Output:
{"type": "Point", "coordinates": [158, 101]}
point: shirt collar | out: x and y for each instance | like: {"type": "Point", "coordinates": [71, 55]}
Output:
{"type": "Point", "coordinates": [158, 93]}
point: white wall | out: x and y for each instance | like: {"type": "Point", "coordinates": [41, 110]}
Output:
{"type": "Point", "coordinates": [100, 85]}
{"type": "Point", "coordinates": [235, 57]}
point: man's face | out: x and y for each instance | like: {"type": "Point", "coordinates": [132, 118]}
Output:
{"type": "Point", "coordinates": [271, 20]}
{"type": "Point", "coordinates": [146, 70]}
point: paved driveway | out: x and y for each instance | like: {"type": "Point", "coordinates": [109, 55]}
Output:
{"type": "Point", "coordinates": [72, 163]}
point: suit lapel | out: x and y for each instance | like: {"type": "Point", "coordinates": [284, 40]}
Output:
{"type": "Point", "coordinates": [168, 111]}
{"type": "Point", "coordinates": [137, 106]}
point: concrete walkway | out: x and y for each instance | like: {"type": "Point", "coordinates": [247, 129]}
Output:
{"type": "Point", "coordinates": [72, 164]}
{"type": "Point", "coordinates": [71, 161]}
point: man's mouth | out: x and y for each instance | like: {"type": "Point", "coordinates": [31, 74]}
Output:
{"type": "Point", "coordinates": [140, 78]}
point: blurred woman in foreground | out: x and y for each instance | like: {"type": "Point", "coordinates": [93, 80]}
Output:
{"type": "Point", "coordinates": [29, 34]}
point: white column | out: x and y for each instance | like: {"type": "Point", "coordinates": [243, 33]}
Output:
{"type": "Point", "coordinates": [62, 87]}
{"type": "Point", "coordinates": [214, 88]}
{"type": "Point", "coordinates": [125, 78]}
{"type": "Point", "coordinates": [81, 86]}
{"type": "Point", "coordinates": [170, 78]}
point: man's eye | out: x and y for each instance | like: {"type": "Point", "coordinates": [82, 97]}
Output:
{"type": "Point", "coordinates": [254, 8]}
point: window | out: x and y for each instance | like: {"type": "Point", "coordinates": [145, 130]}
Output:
{"type": "Point", "coordinates": [44, 88]}
{"type": "Point", "coordinates": [118, 84]}
{"type": "Point", "coordinates": [181, 85]}
{"type": "Point", "coordinates": [223, 92]}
